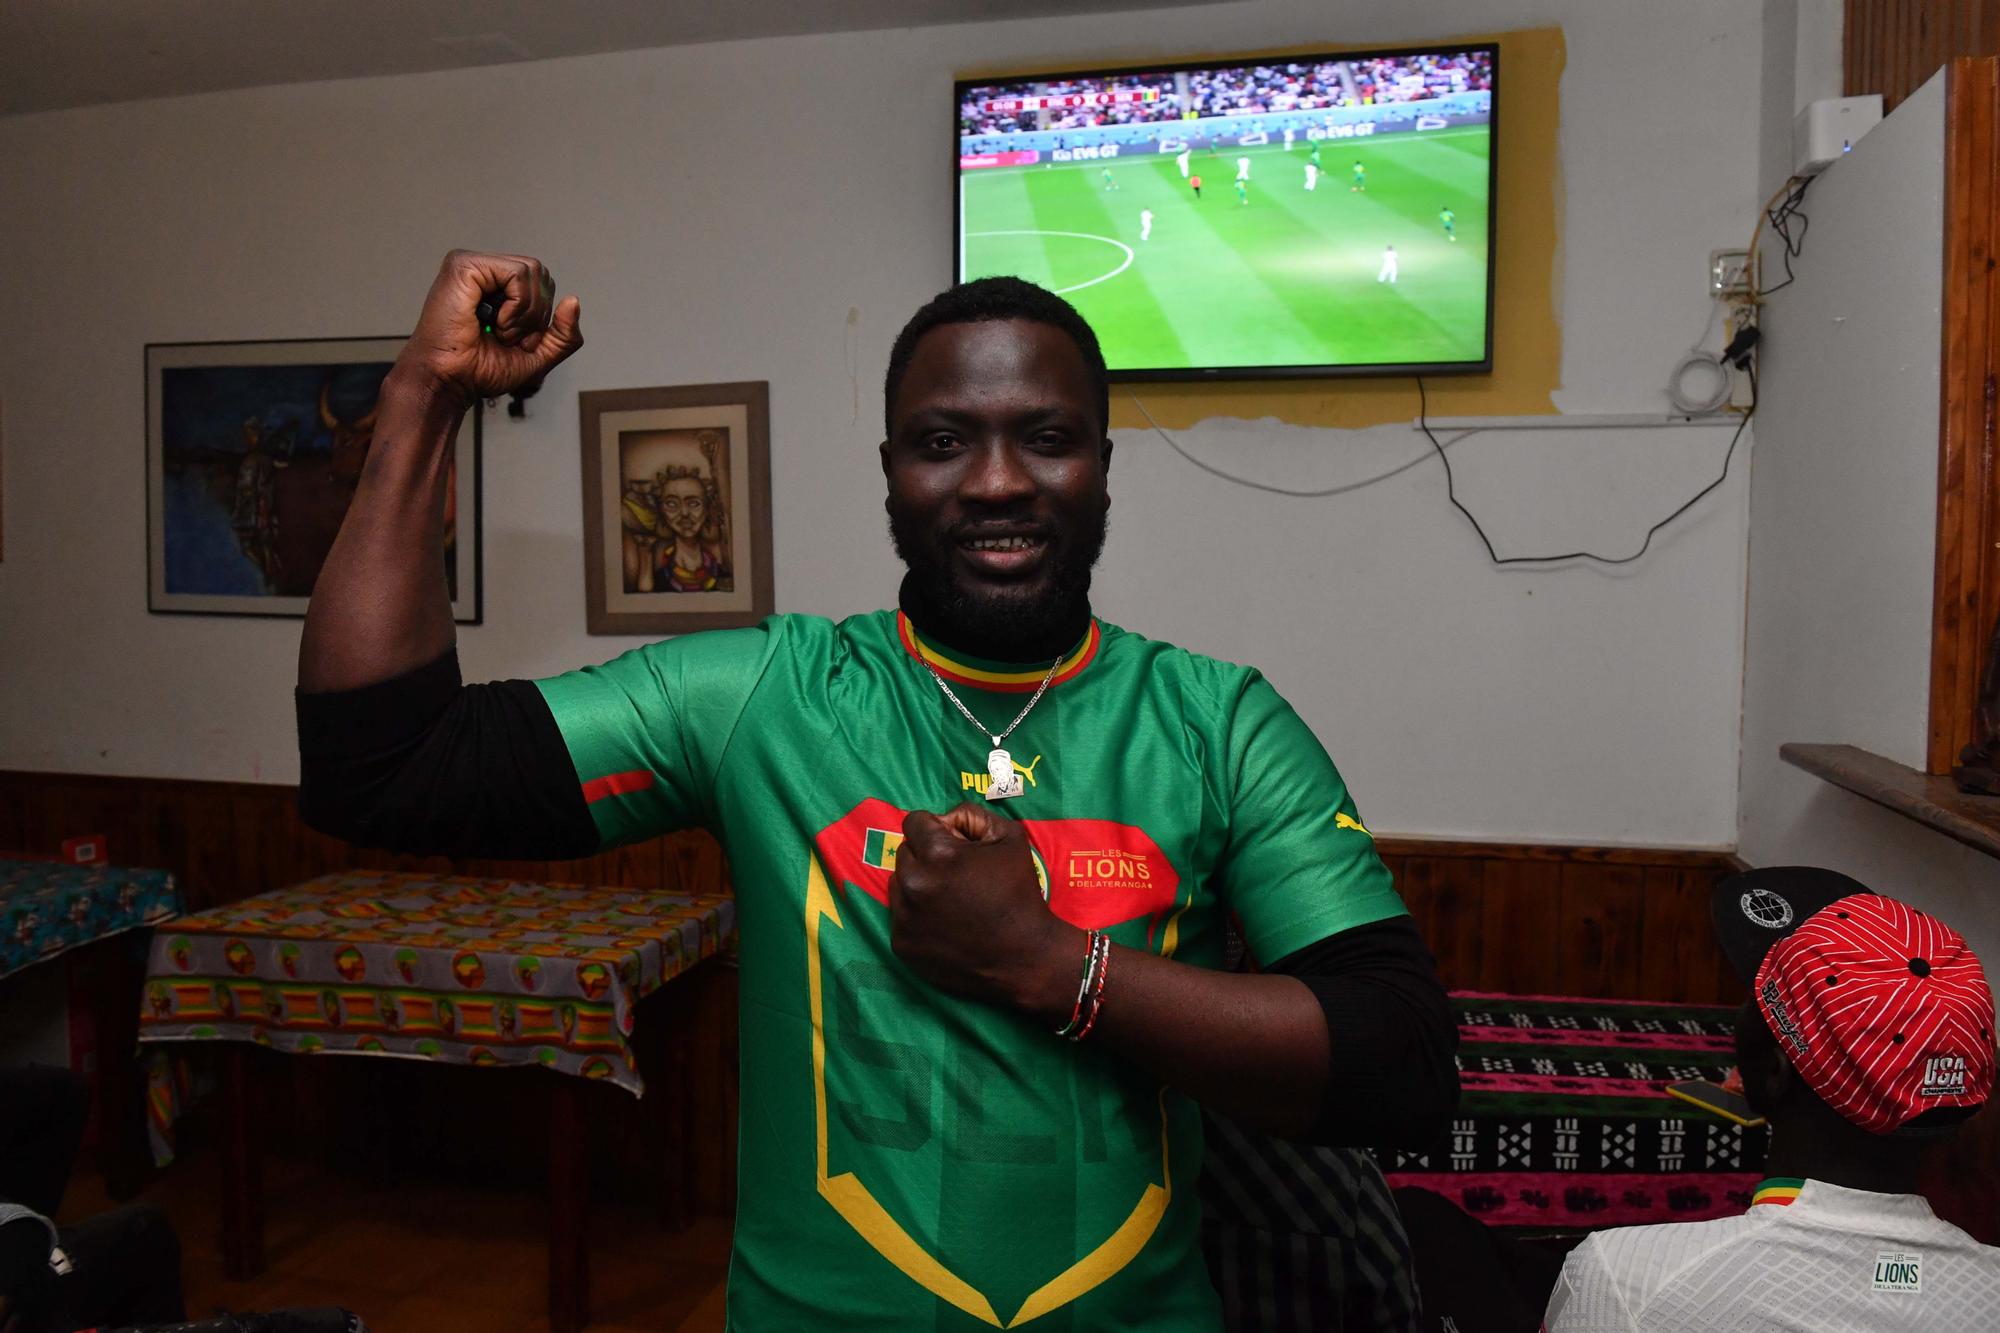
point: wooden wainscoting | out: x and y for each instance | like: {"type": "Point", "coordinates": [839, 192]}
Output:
{"type": "Point", "coordinates": [228, 840]}
{"type": "Point", "coordinates": [1627, 923]}
{"type": "Point", "coordinates": [1617, 922]}
{"type": "Point", "coordinates": [1622, 923]}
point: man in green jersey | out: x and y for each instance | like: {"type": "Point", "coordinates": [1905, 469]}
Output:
{"type": "Point", "coordinates": [959, 831]}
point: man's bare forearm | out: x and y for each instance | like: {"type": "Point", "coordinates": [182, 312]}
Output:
{"type": "Point", "coordinates": [381, 606]}
{"type": "Point", "coordinates": [1251, 1046]}
{"type": "Point", "coordinates": [1347, 1041]}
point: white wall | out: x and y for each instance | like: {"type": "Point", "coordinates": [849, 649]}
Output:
{"type": "Point", "coordinates": [722, 210]}
{"type": "Point", "coordinates": [1802, 63]}
{"type": "Point", "coordinates": [1843, 525]}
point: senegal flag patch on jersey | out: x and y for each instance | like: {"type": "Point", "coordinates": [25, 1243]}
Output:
{"type": "Point", "coordinates": [879, 848]}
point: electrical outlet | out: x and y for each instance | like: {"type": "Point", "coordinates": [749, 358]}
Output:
{"type": "Point", "coordinates": [1728, 273]}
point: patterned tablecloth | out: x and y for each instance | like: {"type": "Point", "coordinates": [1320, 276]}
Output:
{"type": "Point", "coordinates": [49, 907]}
{"type": "Point", "coordinates": [453, 969]}
{"type": "Point", "coordinates": [1565, 1121]}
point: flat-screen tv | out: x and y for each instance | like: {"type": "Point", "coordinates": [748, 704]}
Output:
{"type": "Point", "coordinates": [1325, 214]}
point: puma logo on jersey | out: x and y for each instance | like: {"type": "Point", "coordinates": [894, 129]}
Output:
{"type": "Point", "coordinates": [1341, 819]}
{"type": "Point", "coordinates": [979, 781]}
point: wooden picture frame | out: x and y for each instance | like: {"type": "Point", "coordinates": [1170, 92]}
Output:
{"type": "Point", "coordinates": [676, 507]}
{"type": "Point", "coordinates": [253, 450]}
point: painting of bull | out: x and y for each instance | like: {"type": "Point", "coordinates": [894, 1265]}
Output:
{"type": "Point", "coordinates": [253, 454]}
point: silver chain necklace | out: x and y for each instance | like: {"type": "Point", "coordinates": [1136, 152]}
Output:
{"type": "Point", "coordinates": [1002, 782]}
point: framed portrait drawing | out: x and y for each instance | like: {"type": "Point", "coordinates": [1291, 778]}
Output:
{"type": "Point", "coordinates": [677, 508]}
{"type": "Point", "coordinates": [253, 451]}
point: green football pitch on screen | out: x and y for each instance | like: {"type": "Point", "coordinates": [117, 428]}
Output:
{"type": "Point", "coordinates": [1274, 275]}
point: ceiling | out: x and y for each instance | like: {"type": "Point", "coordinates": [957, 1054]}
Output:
{"type": "Point", "coordinates": [64, 53]}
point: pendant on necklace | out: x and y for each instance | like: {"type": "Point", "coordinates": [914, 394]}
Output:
{"type": "Point", "coordinates": [1002, 781]}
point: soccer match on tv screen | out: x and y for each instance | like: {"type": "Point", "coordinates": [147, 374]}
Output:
{"type": "Point", "coordinates": [1319, 213]}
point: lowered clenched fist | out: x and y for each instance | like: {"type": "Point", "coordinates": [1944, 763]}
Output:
{"type": "Point", "coordinates": [452, 354]}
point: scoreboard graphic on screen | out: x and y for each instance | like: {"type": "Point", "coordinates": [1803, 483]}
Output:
{"type": "Point", "coordinates": [1008, 106]}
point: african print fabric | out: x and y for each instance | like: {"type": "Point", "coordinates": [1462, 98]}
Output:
{"type": "Point", "coordinates": [1564, 1120]}
{"type": "Point", "coordinates": [50, 907]}
{"type": "Point", "coordinates": [447, 968]}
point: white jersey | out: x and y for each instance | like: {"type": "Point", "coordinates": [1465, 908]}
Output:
{"type": "Point", "coordinates": [1243, 168]}
{"type": "Point", "coordinates": [1832, 1261]}
{"type": "Point", "coordinates": [1387, 273]}
{"type": "Point", "coordinates": [1182, 161]}
{"type": "Point", "coordinates": [1312, 176]}
{"type": "Point", "coordinates": [1145, 223]}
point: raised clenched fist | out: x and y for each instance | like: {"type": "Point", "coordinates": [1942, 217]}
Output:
{"type": "Point", "coordinates": [452, 353]}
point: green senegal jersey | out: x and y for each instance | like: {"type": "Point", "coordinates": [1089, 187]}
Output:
{"type": "Point", "coordinates": [910, 1160]}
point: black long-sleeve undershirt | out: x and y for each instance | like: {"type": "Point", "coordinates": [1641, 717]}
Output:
{"type": "Point", "coordinates": [424, 763]}
{"type": "Point", "coordinates": [1392, 1075]}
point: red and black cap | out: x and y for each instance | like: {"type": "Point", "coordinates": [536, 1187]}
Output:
{"type": "Point", "coordinates": [1884, 1010]}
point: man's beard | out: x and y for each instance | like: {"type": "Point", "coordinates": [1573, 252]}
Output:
{"type": "Point", "coordinates": [1007, 624]}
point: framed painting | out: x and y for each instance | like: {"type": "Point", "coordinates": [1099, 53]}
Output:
{"type": "Point", "coordinates": [253, 451]}
{"type": "Point", "coordinates": [676, 508]}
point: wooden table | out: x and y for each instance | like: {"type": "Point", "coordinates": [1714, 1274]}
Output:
{"type": "Point", "coordinates": [1564, 1121]}
{"type": "Point", "coordinates": [50, 910]}
{"type": "Point", "coordinates": [453, 970]}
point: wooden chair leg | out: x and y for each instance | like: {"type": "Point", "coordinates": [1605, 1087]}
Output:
{"type": "Point", "coordinates": [675, 1120]}
{"type": "Point", "coordinates": [569, 1205]}
{"type": "Point", "coordinates": [242, 1167]}
{"type": "Point", "coordinates": [122, 1153]}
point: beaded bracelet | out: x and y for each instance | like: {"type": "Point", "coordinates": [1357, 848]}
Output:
{"type": "Point", "coordinates": [1083, 987]}
{"type": "Point", "coordinates": [1097, 991]}
{"type": "Point", "coordinates": [1090, 992]}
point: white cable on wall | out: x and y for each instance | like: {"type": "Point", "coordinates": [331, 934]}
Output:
{"type": "Point", "coordinates": [1719, 390]}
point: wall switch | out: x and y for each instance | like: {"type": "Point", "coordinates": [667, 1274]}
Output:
{"type": "Point", "coordinates": [1728, 273]}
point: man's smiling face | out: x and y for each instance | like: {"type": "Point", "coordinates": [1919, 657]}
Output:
{"type": "Point", "coordinates": [996, 465]}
